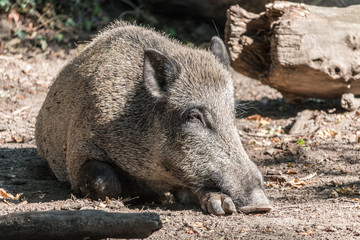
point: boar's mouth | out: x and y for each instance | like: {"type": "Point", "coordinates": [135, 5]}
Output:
{"type": "Point", "coordinates": [252, 200]}
{"type": "Point", "coordinates": [257, 202]}
{"type": "Point", "coordinates": [264, 208]}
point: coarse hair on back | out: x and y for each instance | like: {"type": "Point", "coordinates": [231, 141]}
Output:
{"type": "Point", "coordinates": [113, 26]}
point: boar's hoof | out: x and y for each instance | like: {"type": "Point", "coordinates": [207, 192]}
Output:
{"type": "Point", "coordinates": [256, 209]}
{"type": "Point", "coordinates": [217, 203]}
{"type": "Point", "coordinates": [99, 180]}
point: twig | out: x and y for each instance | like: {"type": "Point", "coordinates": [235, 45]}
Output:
{"type": "Point", "coordinates": [20, 110]}
{"type": "Point", "coordinates": [348, 200]}
{"type": "Point", "coordinates": [193, 228]}
{"type": "Point", "coordinates": [287, 207]}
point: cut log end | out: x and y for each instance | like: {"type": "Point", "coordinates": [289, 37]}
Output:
{"type": "Point", "coordinates": [303, 51]}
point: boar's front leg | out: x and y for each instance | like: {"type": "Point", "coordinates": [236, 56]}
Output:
{"type": "Point", "coordinates": [99, 180]}
{"type": "Point", "coordinates": [216, 203]}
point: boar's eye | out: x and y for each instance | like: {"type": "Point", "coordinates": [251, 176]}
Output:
{"type": "Point", "coordinates": [196, 116]}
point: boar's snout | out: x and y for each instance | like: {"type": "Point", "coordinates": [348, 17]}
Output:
{"type": "Point", "coordinates": [264, 208]}
{"type": "Point", "coordinates": [258, 203]}
{"type": "Point", "coordinates": [247, 188]}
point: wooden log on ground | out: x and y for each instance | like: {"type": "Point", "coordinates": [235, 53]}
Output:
{"type": "Point", "coordinates": [83, 224]}
{"type": "Point", "coordinates": [302, 51]}
{"type": "Point", "coordinates": [329, 3]}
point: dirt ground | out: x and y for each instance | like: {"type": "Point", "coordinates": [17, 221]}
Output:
{"type": "Point", "coordinates": [311, 175]}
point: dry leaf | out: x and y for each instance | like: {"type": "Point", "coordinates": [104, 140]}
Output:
{"type": "Point", "coordinates": [4, 194]}
{"type": "Point", "coordinates": [270, 184]}
{"type": "Point", "coordinates": [311, 175]}
{"type": "Point", "coordinates": [198, 224]}
{"type": "Point", "coordinates": [165, 220]}
{"type": "Point", "coordinates": [255, 117]}
{"type": "Point", "coordinates": [299, 182]}
{"type": "Point", "coordinates": [23, 202]}
{"type": "Point", "coordinates": [19, 139]}
{"type": "Point", "coordinates": [14, 16]}
{"type": "Point", "coordinates": [326, 133]}
{"type": "Point", "coordinates": [18, 195]}
{"type": "Point", "coordinates": [261, 120]}
{"type": "Point", "coordinates": [102, 205]}
{"type": "Point", "coordinates": [307, 233]}
{"type": "Point", "coordinates": [291, 171]}
{"type": "Point", "coordinates": [20, 97]}
{"type": "Point", "coordinates": [30, 28]}
{"type": "Point", "coordinates": [295, 183]}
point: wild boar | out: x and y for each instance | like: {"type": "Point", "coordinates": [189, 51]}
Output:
{"type": "Point", "coordinates": [136, 113]}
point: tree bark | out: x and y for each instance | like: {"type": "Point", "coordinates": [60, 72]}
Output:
{"type": "Point", "coordinates": [91, 224]}
{"type": "Point", "coordinates": [302, 51]}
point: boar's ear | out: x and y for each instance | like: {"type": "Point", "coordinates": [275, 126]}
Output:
{"type": "Point", "coordinates": [217, 47]}
{"type": "Point", "coordinates": [159, 72]}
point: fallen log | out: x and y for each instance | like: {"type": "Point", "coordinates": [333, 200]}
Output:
{"type": "Point", "coordinates": [83, 224]}
{"type": "Point", "coordinates": [328, 3]}
{"type": "Point", "coordinates": [302, 51]}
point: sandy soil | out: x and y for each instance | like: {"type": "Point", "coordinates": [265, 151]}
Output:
{"type": "Point", "coordinates": [312, 174]}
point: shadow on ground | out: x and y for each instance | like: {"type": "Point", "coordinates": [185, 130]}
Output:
{"type": "Point", "coordinates": [278, 109]}
{"type": "Point", "coordinates": [23, 171]}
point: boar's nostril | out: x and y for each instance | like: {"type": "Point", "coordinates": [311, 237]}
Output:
{"type": "Point", "coordinates": [264, 208]}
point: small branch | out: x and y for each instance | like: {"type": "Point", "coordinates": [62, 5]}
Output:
{"type": "Point", "coordinates": [93, 224]}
